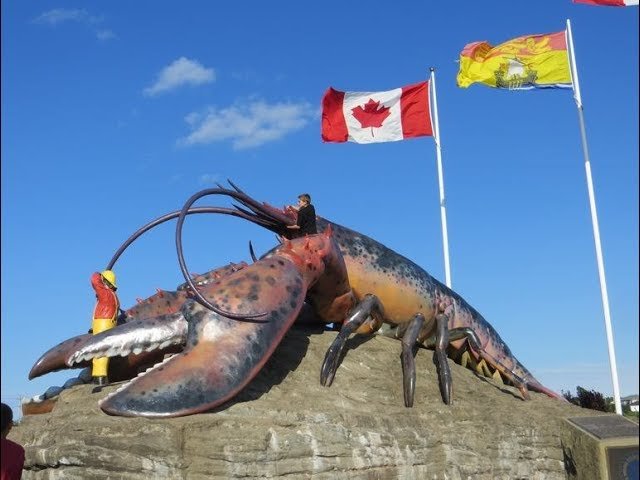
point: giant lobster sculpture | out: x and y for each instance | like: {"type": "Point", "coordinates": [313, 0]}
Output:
{"type": "Point", "coordinates": [213, 334]}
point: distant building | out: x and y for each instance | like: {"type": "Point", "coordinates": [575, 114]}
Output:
{"type": "Point", "coordinates": [632, 401]}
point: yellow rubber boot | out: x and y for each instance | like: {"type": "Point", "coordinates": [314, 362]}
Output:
{"type": "Point", "coordinates": [101, 365]}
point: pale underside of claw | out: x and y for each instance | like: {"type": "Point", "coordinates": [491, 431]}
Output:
{"type": "Point", "coordinates": [134, 338]}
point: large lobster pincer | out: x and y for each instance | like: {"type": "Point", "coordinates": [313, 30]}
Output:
{"type": "Point", "coordinates": [221, 354]}
{"type": "Point", "coordinates": [153, 316]}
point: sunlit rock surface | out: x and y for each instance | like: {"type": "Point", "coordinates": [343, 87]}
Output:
{"type": "Point", "coordinates": [286, 424]}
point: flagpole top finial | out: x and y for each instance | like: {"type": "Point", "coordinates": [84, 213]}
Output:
{"type": "Point", "coordinates": [432, 69]}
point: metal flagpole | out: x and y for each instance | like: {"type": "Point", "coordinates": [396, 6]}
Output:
{"type": "Point", "coordinates": [443, 211]}
{"type": "Point", "coordinates": [594, 221]}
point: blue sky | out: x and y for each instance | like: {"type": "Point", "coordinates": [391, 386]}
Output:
{"type": "Point", "coordinates": [115, 113]}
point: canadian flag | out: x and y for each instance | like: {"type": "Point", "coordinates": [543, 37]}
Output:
{"type": "Point", "coordinates": [372, 117]}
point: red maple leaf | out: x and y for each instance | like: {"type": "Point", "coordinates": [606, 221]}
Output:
{"type": "Point", "coordinates": [372, 115]}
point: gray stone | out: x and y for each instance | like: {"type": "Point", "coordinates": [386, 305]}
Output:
{"type": "Point", "coordinates": [52, 392]}
{"type": "Point", "coordinates": [607, 427]}
{"type": "Point", "coordinates": [285, 424]}
{"type": "Point", "coordinates": [85, 375]}
{"type": "Point", "coordinates": [72, 382]}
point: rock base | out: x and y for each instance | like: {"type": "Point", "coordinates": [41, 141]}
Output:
{"type": "Point", "coordinates": [285, 424]}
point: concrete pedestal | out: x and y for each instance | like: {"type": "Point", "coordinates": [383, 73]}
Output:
{"type": "Point", "coordinates": [600, 448]}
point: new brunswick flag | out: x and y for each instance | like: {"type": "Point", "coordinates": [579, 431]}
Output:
{"type": "Point", "coordinates": [531, 61]}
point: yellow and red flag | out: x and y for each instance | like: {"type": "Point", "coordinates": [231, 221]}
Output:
{"type": "Point", "coordinates": [530, 61]}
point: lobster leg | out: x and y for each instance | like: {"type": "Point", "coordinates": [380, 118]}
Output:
{"type": "Point", "coordinates": [369, 307]}
{"type": "Point", "coordinates": [409, 348]}
{"type": "Point", "coordinates": [474, 342]}
{"type": "Point", "coordinates": [440, 357]}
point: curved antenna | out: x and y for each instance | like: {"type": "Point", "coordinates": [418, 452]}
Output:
{"type": "Point", "coordinates": [258, 213]}
{"type": "Point", "coordinates": [183, 266]}
{"type": "Point", "coordinates": [164, 218]}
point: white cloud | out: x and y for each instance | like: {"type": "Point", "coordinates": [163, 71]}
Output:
{"type": "Point", "coordinates": [193, 118]}
{"type": "Point", "coordinates": [244, 75]}
{"type": "Point", "coordinates": [181, 72]}
{"type": "Point", "coordinates": [249, 125]}
{"type": "Point", "coordinates": [209, 179]}
{"type": "Point", "coordinates": [60, 15]}
{"type": "Point", "coordinates": [176, 178]}
{"type": "Point", "coordinates": [105, 35]}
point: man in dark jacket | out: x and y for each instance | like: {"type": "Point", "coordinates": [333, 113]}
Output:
{"type": "Point", "coordinates": [306, 224]}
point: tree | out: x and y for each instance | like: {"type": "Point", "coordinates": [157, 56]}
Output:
{"type": "Point", "coordinates": [588, 399]}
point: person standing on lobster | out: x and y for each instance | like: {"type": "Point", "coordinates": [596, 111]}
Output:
{"type": "Point", "coordinates": [306, 223]}
{"type": "Point", "coordinates": [105, 315]}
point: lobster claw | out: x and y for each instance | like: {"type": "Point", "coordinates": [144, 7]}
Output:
{"type": "Point", "coordinates": [155, 307]}
{"type": "Point", "coordinates": [120, 368]}
{"type": "Point", "coordinates": [221, 355]}
{"type": "Point", "coordinates": [54, 358]}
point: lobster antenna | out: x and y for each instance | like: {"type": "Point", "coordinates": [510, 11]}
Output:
{"type": "Point", "coordinates": [185, 272]}
{"type": "Point", "coordinates": [253, 254]}
{"type": "Point", "coordinates": [235, 187]}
